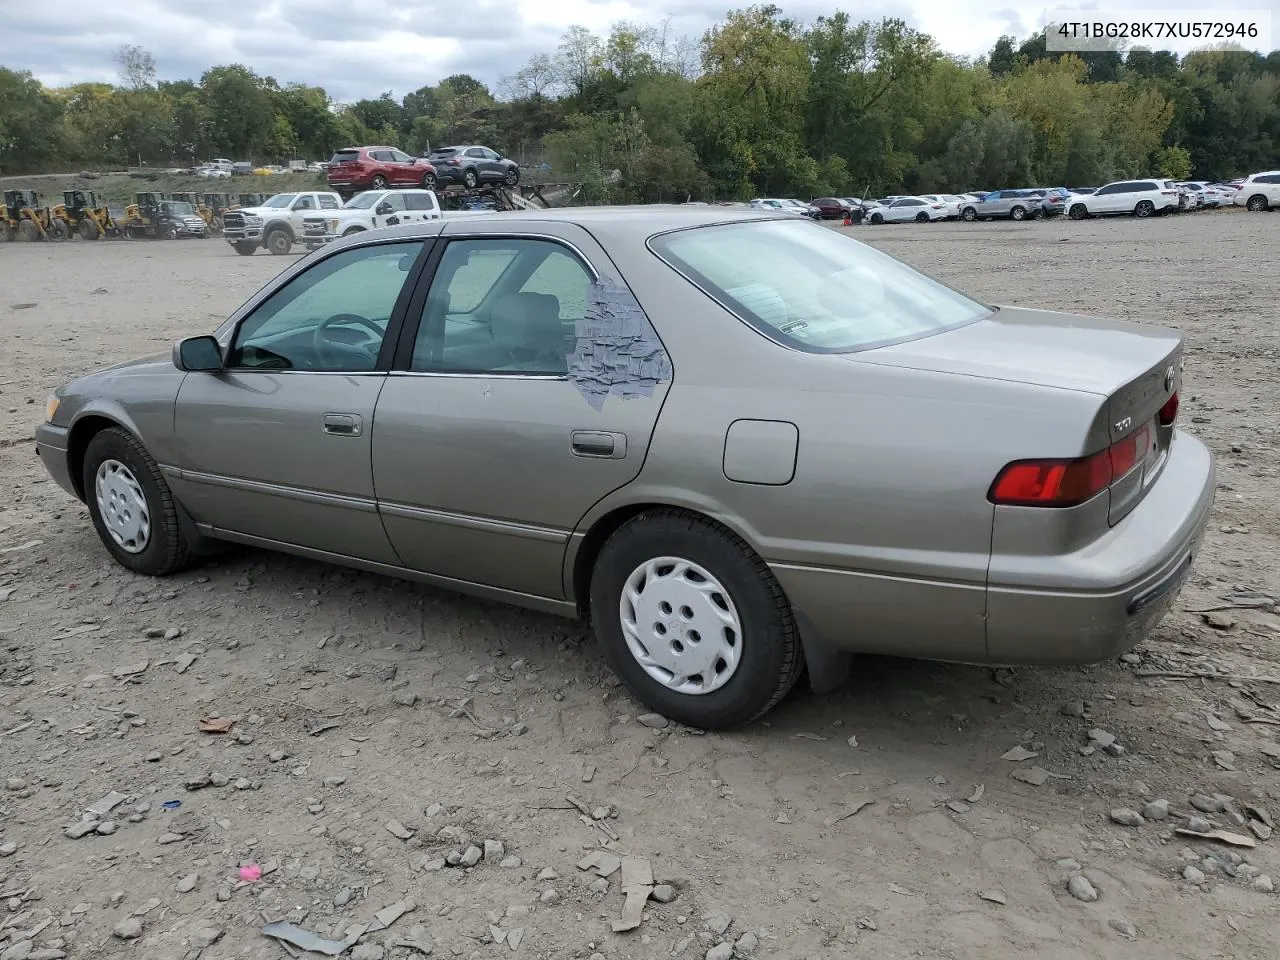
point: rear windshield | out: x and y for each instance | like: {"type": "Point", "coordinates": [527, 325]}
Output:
{"type": "Point", "coordinates": [444, 152]}
{"type": "Point", "coordinates": [813, 289]}
{"type": "Point", "coordinates": [345, 156]}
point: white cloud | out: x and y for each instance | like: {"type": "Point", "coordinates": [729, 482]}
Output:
{"type": "Point", "coordinates": [360, 48]}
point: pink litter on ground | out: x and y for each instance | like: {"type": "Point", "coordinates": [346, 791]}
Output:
{"type": "Point", "coordinates": [251, 874]}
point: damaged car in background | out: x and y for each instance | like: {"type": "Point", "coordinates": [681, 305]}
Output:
{"type": "Point", "coordinates": [743, 445]}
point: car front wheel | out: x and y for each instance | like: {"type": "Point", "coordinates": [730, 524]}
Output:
{"type": "Point", "coordinates": [131, 505]}
{"type": "Point", "coordinates": [513, 176]}
{"type": "Point", "coordinates": [877, 219]}
{"type": "Point", "coordinates": [428, 181]}
{"type": "Point", "coordinates": [279, 242]}
{"type": "Point", "coordinates": [693, 621]}
{"type": "Point", "coordinates": [379, 182]}
{"type": "Point", "coordinates": [1078, 211]}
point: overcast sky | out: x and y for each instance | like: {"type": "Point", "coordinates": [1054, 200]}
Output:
{"type": "Point", "coordinates": [360, 48]}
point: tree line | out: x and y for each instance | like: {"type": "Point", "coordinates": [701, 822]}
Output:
{"type": "Point", "coordinates": [761, 104]}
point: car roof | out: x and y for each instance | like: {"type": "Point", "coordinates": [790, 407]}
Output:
{"type": "Point", "coordinates": [617, 224]}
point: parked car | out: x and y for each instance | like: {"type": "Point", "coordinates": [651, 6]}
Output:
{"type": "Point", "coordinates": [783, 206]}
{"type": "Point", "coordinates": [830, 208]}
{"type": "Point", "coordinates": [1011, 204]}
{"type": "Point", "coordinates": [1260, 192]}
{"type": "Point", "coordinates": [474, 165]}
{"type": "Point", "coordinates": [1053, 200]}
{"type": "Point", "coordinates": [1141, 198]}
{"type": "Point", "coordinates": [857, 208]}
{"type": "Point", "coordinates": [808, 209]}
{"type": "Point", "coordinates": [276, 224]}
{"type": "Point", "coordinates": [950, 202]}
{"type": "Point", "coordinates": [718, 537]}
{"type": "Point", "coordinates": [212, 171]}
{"type": "Point", "coordinates": [1082, 191]}
{"type": "Point", "coordinates": [376, 168]}
{"type": "Point", "coordinates": [1193, 197]}
{"type": "Point", "coordinates": [242, 168]}
{"type": "Point", "coordinates": [906, 209]}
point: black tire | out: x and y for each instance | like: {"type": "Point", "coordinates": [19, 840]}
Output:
{"type": "Point", "coordinates": [88, 230]}
{"type": "Point", "coordinates": [428, 181]}
{"type": "Point", "coordinates": [1256, 204]}
{"type": "Point", "coordinates": [351, 230]}
{"type": "Point", "coordinates": [167, 550]}
{"type": "Point", "coordinates": [58, 230]}
{"type": "Point", "coordinates": [470, 179]}
{"type": "Point", "coordinates": [279, 242]}
{"type": "Point", "coordinates": [512, 177]}
{"type": "Point", "coordinates": [877, 219]}
{"type": "Point", "coordinates": [169, 233]}
{"type": "Point", "coordinates": [968, 214]}
{"type": "Point", "coordinates": [922, 217]}
{"type": "Point", "coordinates": [771, 655]}
{"type": "Point", "coordinates": [379, 182]}
{"type": "Point", "coordinates": [1144, 209]}
{"type": "Point", "coordinates": [246, 248]}
{"type": "Point", "coordinates": [1017, 213]}
{"type": "Point", "coordinates": [1078, 211]}
{"type": "Point", "coordinates": [28, 231]}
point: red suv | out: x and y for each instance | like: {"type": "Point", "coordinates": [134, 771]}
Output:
{"type": "Point", "coordinates": [376, 168]}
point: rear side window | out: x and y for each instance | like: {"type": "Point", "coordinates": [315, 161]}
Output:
{"type": "Point", "coordinates": [420, 201]}
{"type": "Point", "coordinates": [1268, 178]}
{"type": "Point", "coordinates": [345, 156]}
{"type": "Point", "coordinates": [328, 203]}
{"type": "Point", "coordinates": [813, 289]}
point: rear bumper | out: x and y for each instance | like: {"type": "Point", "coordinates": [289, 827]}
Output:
{"type": "Point", "coordinates": [1121, 585]}
{"type": "Point", "coordinates": [51, 448]}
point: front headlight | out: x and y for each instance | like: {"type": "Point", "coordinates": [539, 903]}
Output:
{"type": "Point", "coordinates": [51, 406]}
{"type": "Point", "coordinates": [334, 224]}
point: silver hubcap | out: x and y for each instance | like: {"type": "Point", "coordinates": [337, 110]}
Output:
{"type": "Point", "coordinates": [681, 625]}
{"type": "Point", "coordinates": [123, 506]}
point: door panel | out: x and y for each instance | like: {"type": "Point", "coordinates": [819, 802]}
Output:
{"type": "Point", "coordinates": [473, 454]}
{"type": "Point", "coordinates": [259, 460]}
{"type": "Point", "coordinates": [278, 444]}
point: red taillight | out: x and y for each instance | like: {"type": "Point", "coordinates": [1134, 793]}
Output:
{"type": "Point", "coordinates": [1068, 483]}
{"type": "Point", "coordinates": [1169, 412]}
{"type": "Point", "coordinates": [453, 161]}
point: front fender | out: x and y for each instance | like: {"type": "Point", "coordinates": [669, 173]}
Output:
{"type": "Point", "coordinates": [284, 225]}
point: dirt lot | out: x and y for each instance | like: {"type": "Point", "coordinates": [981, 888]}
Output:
{"type": "Point", "coordinates": [105, 675]}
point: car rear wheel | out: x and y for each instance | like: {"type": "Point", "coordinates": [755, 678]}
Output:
{"type": "Point", "coordinates": [379, 182]}
{"type": "Point", "coordinates": [470, 179]}
{"type": "Point", "coordinates": [1144, 209]}
{"type": "Point", "coordinates": [922, 217]}
{"type": "Point", "coordinates": [968, 214]}
{"type": "Point", "coordinates": [1256, 203]}
{"type": "Point", "coordinates": [279, 242]}
{"type": "Point", "coordinates": [693, 621]}
{"type": "Point", "coordinates": [131, 505]}
{"type": "Point", "coordinates": [1018, 213]}
{"type": "Point", "coordinates": [513, 176]}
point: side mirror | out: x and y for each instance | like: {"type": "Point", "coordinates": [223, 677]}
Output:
{"type": "Point", "coordinates": [198, 355]}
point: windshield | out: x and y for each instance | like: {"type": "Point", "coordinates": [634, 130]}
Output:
{"type": "Point", "coordinates": [363, 201]}
{"type": "Point", "coordinates": [814, 289]}
{"type": "Point", "coordinates": [178, 209]}
{"type": "Point", "coordinates": [280, 200]}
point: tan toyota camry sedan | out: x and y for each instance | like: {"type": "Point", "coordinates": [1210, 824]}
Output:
{"type": "Point", "coordinates": [741, 443]}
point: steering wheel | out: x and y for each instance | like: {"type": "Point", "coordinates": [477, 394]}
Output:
{"type": "Point", "coordinates": [325, 347]}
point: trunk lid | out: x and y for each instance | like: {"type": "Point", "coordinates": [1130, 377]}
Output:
{"type": "Point", "coordinates": [1137, 368]}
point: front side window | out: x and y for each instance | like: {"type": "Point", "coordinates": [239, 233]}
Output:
{"type": "Point", "coordinates": [283, 200]}
{"type": "Point", "coordinates": [502, 306]}
{"type": "Point", "coordinates": [814, 289]}
{"type": "Point", "coordinates": [333, 317]}
{"type": "Point", "coordinates": [393, 200]}
{"type": "Point", "coordinates": [399, 157]}
{"type": "Point", "coordinates": [304, 203]}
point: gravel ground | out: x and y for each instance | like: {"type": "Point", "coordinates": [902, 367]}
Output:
{"type": "Point", "coordinates": [381, 726]}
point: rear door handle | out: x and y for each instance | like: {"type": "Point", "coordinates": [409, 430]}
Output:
{"type": "Point", "coordinates": [598, 443]}
{"type": "Point", "coordinates": [342, 424]}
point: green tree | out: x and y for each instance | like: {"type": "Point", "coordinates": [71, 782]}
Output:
{"type": "Point", "coordinates": [29, 118]}
{"type": "Point", "coordinates": [241, 111]}
{"type": "Point", "coordinates": [1173, 163]}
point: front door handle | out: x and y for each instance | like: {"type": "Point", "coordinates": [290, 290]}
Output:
{"type": "Point", "coordinates": [342, 424]}
{"type": "Point", "coordinates": [598, 443]}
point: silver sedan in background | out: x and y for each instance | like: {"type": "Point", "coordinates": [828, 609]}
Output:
{"type": "Point", "coordinates": [742, 444]}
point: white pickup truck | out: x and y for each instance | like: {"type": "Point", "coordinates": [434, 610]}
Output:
{"type": "Point", "coordinates": [368, 211]}
{"type": "Point", "coordinates": [277, 224]}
